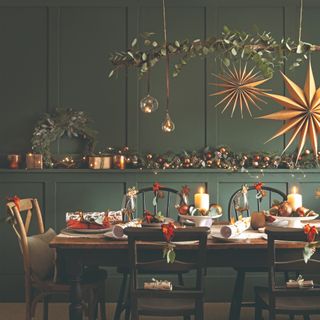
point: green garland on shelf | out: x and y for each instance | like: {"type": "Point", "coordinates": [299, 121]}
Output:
{"type": "Point", "coordinates": [74, 124]}
{"type": "Point", "coordinates": [217, 158]}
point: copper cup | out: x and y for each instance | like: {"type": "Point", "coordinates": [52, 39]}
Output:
{"type": "Point", "coordinates": [14, 161]}
{"type": "Point", "coordinates": [119, 161]}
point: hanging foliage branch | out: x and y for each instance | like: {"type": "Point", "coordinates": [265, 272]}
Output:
{"type": "Point", "coordinates": [260, 48]}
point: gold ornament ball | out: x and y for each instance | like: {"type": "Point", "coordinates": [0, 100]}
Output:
{"type": "Point", "coordinates": [222, 150]}
{"type": "Point", "coordinates": [266, 159]}
{"type": "Point", "coordinates": [255, 163]}
{"type": "Point", "coordinates": [307, 152]}
{"type": "Point", "coordinates": [216, 207]}
{"type": "Point", "coordinates": [209, 163]}
{"type": "Point", "coordinates": [149, 156]}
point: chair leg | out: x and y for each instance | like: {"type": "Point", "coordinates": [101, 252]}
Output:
{"type": "Point", "coordinates": [180, 279]}
{"type": "Point", "coordinates": [120, 302]}
{"type": "Point", "coordinates": [45, 307]}
{"type": "Point", "coordinates": [272, 315]}
{"type": "Point", "coordinates": [257, 312]}
{"type": "Point", "coordinates": [199, 314]}
{"type": "Point", "coordinates": [102, 302]}
{"type": "Point", "coordinates": [236, 301]}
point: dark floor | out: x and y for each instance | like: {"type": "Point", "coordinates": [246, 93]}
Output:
{"type": "Point", "coordinates": [213, 311]}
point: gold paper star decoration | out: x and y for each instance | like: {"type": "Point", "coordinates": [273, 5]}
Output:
{"type": "Point", "coordinates": [240, 89]}
{"type": "Point", "coordinates": [301, 113]}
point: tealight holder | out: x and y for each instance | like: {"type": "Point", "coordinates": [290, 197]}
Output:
{"type": "Point", "coordinates": [34, 161]}
{"type": "Point", "coordinates": [119, 161]}
{"type": "Point", "coordinates": [100, 162]}
{"type": "Point", "coordinates": [14, 161]}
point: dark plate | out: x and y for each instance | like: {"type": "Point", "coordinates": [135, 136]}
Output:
{"type": "Point", "coordinates": [156, 225]}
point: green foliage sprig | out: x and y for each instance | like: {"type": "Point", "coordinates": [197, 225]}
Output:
{"type": "Point", "coordinates": [260, 48]}
{"type": "Point", "coordinates": [58, 124]}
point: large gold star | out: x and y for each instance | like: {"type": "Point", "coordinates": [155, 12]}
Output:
{"type": "Point", "coordinates": [301, 113]}
{"type": "Point", "coordinates": [240, 88]}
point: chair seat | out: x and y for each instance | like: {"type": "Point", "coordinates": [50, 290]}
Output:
{"type": "Point", "coordinates": [295, 304]}
{"type": "Point", "coordinates": [91, 279]}
{"type": "Point", "coordinates": [165, 306]}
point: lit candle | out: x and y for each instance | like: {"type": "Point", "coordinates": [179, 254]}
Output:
{"type": "Point", "coordinates": [201, 200]}
{"type": "Point", "coordinates": [295, 199]}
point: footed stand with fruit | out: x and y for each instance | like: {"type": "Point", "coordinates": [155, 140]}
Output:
{"type": "Point", "coordinates": [285, 211]}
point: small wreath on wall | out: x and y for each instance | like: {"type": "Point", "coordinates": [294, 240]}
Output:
{"type": "Point", "coordinates": [73, 124]}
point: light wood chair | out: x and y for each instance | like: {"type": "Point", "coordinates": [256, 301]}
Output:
{"type": "Point", "coordinates": [278, 299]}
{"type": "Point", "coordinates": [181, 301]}
{"type": "Point", "coordinates": [37, 287]}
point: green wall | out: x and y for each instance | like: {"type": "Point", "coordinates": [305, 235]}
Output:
{"type": "Point", "coordinates": [54, 53]}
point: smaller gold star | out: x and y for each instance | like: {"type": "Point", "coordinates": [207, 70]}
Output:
{"type": "Point", "coordinates": [240, 88]}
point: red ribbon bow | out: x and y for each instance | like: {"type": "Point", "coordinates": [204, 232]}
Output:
{"type": "Point", "coordinates": [185, 190]}
{"type": "Point", "coordinates": [168, 230]}
{"type": "Point", "coordinates": [258, 186]}
{"type": "Point", "coordinates": [15, 200]}
{"type": "Point", "coordinates": [148, 216]}
{"type": "Point", "coordinates": [311, 232]}
{"type": "Point", "coordinates": [156, 187]}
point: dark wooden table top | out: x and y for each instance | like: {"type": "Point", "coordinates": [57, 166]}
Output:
{"type": "Point", "coordinates": [61, 242]}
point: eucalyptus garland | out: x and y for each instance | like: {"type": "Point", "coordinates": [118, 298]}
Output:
{"type": "Point", "coordinates": [62, 122]}
{"type": "Point", "coordinates": [261, 48]}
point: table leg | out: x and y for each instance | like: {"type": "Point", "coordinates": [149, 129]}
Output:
{"type": "Point", "coordinates": [75, 308]}
{"type": "Point", "coordinates": [236, 301]}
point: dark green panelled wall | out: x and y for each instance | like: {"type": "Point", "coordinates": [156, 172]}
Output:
{"type": "Point", "coordinates": [55, 53]}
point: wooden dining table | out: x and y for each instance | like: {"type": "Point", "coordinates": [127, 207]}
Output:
{"type": "Point", "coordinates": [75, 252]}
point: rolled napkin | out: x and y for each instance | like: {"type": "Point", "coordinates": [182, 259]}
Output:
{"type": "Point", "coordinates": [236, 228]}
{"type": "Point", "coordinates": [158, 285]}
{"type": "Point", "coordinates": [118, 229]}
{"type": "Point", "coordinates": [87, 220]}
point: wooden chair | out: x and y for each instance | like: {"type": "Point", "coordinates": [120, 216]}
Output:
{"type": "Point", "coordinates": [181, 301]}
{"type": "Point", "coordinates": [278, 299]}
{"type": "Point", "coordinates": [123, 297]}
{"type": "Point", "coordinates": [41, 286]}
{"type": "Point", "coordinates": [238, 289]}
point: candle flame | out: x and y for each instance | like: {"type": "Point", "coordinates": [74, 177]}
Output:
{"type": "Point", "coordinates": [294, 189]}
{"type": "Point", "coordinates": [201, 190]}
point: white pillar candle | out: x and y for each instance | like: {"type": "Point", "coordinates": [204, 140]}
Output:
{"type": "Point", "coordinates": [201, 200]}
{"type": "Point", "coordinates": [295, 199]}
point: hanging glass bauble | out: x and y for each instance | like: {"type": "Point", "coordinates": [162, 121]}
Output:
{"type": "Point", "coordinates": [167, 125]}
{"type": "Point", "coordinates": [149, 104]}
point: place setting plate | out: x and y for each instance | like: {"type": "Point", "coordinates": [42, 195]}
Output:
{"type": "Point", "coordinates": [88, 231]}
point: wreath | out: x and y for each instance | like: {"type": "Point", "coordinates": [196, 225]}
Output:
{"type": "Point", "coordinates": [54, 126]}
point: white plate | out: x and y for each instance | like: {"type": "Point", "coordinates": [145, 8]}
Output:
{"type": "Point", "coordinates": [110, 235]}
{"type": "Point", "coordinates": [294, 222]}
{"type": "Point", "coordinates": [88, 231]}
{"type": "Point", "coordinates": [246, 235]}
{"type": "Point", "coordinates": [200, 221]}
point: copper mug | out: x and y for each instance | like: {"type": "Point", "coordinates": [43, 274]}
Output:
{"type": "Point", "coordinates": [14, 161]}
{"type": "Point", "coordinates": [119, 161]}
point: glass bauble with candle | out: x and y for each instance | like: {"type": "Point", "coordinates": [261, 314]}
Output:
{"type": "Point", "coordinates": [149, 104]}
{"type": "Point", "coordinates": [168, 125]}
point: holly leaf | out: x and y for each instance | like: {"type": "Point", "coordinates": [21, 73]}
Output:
{"type": "Point", "coordinates": [308, 252]}
{"type": "Point", "coordinates": [171, 256]}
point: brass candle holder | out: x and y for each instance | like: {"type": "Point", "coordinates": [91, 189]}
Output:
{"type": "Point", "coordinates": [14, 161]}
